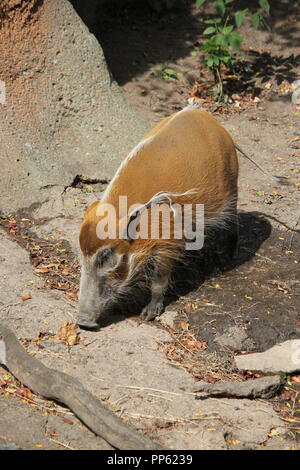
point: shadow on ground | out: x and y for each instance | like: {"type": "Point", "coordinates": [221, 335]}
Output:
{"type": "Point", "coordinates": [134, 38]}
{"type": "Point", "coordinates": [258, 293]}
{"type": "Point", "coordinates": [199, 267]}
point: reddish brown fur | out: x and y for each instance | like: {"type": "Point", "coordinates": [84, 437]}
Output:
{"type": "Point", "coordinates": [189, 150]}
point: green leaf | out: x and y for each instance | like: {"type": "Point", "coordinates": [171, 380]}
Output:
{"type": "Point", "coordinates": [239, 17]}
{"type": "Point", "coordinates": [235, 41]}
{"type": "Point", "coordinates": [264, 4]}
{"type": "Point", "coordinates": [217, 40]}
{"type": "Point", "coordinates": [229, 1]}
{"type": "Point", "coordinates": [227, 29]}
{"type": "Point", "coordinates": [220, 6]}
{"type": "Point", "coordinates": [209, 30]}
{"type": "Point", "coordinates": [210, 61]}
{"type": "Point", "coordinates": [213, 21]}
{"type": "Point", "coordinates": [256, 20]}
{"type": "Point", "coordinates": [199, 3]}
{"type": "Point", "coordinates": [193, 53]}
{"type": "Point", "coordinates": [170, 71]}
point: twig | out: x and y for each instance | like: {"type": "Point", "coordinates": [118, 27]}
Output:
{"type": "Point", "coordinates": [191, 419]}
{"type": "Point", "coordinates": [155, 390]}
{"type": "Point", "coordinates": [61, 444]}
{"type": "Point", "coordinates": [258, 254]}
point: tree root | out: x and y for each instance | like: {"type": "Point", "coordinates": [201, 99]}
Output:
{"type": "Point", "coordinates": [61, 387]}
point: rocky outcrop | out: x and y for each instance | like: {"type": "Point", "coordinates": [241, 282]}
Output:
{"type": "Point", "coordinates": [283, 357]}
{"type": "Point", "coordinates": [63, 113]}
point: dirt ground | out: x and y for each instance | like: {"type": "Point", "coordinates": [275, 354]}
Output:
{"type": "Point", "coordinates": [145, 372]}
{"type": "Point", "coordinates": [268, 280]}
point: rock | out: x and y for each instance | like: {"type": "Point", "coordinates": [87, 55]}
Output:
{"type": "Point", "coordinates": [62, 114]}
{"type": "Point", "coordinates": [264, 387]}
{"type": "Point", "coordinates": [234, 338]}
{"type": "Point", "coordinates": [168, 318]}
{"type": "Point", "coordinates": [296, 97]}
{"type": "Point", "coordinates": [296, 92]}
{"type": "Point", "coordinates": [284, 357]}
{"type": "Point", "coordinates": [295, 85]}
{"type": "Point", "coordinates": [2, 353]}
{"type": "Point", "coordinates": [9, 447]}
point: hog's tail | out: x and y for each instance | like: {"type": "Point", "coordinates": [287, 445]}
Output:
{"type": "Point", "coordinates": [279, 179]}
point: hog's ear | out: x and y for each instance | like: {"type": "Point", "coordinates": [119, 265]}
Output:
{"type": "Point", "coordinates": [135, 214]}
{"type": "Point", "coordinates": [163, 197]}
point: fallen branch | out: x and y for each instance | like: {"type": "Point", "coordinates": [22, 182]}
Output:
{"type": "Point", "coordinates": [56, 385]}
{"type": "Point", "coordinates": [263, 387]}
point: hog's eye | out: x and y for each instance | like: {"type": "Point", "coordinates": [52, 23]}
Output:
{"type": "Point", "coordinates": [106, 258]}
{"type": "Point", "coordinates": [103, 256]}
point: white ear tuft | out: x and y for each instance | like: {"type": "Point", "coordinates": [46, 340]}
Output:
{"type": "Point", "coordinates": [162, 197]}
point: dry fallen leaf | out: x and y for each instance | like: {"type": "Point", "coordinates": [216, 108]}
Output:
{"type": "Point", "coordinates": [26, 297]}
{"type": "Point", "coordinates": [68, 333]}
{"type": "Point", "coordinates": [42, 270]}
{"type": "Point", "coordinates": [184, 325]}
{"type": "Point", "coordinates": [67, 420]}
{"type": "Point", "coordinates": [273, 432]}
{"type": "Point", "coordinates": [195, 345]}
{"type": "Point", "coordinates": [72, 295]}
{"type": "Point", "coordinates": [24, 392]}
{"type": "Point", "coordinates": [233, 442]}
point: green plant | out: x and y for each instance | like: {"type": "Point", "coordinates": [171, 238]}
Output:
{"type": "Point", "coordinates": [223, 42]}
{"type": "Point", "coordinates": [165, 73]}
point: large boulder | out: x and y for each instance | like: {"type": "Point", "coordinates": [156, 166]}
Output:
{"type": "Point", "coordinates": [64, 114]}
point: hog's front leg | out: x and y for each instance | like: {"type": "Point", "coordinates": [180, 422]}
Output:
{"type": "Point", "coordinates": [159, 286]}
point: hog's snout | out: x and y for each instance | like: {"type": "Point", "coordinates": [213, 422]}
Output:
{"type": "Point", "coordinates": [84, 321]}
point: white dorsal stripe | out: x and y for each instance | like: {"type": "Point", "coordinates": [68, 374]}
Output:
{"type": "Point", "coordinates": [142, 144]}
{"type": "Point", "coordinates": [131, 155]}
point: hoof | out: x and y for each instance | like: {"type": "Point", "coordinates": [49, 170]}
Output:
{"type": "Point", "coordinates": [151, 311]}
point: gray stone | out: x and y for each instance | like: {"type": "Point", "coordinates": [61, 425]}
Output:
{"type": "Point", "coordinates": [168, 318]}
{"type": "Point", "coordinates": [284, 357]}
{"type": "Point", "coordinates": [263, 387]}
{"type": "Point", "coordinates": [234, 338]}
{"type": "Point", "coordinates": [9, 447]}
{"type": "Point", "coordinates": [64, 114]}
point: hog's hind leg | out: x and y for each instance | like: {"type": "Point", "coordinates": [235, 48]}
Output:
{"type": "Point", "coordinates": [233, 236]}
